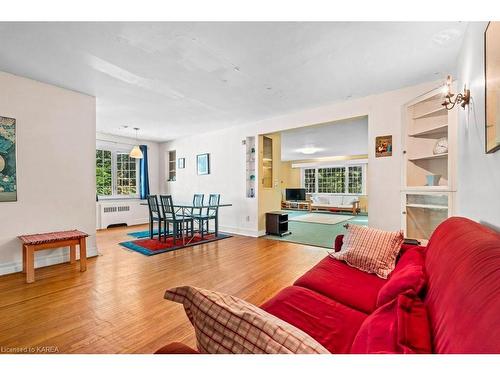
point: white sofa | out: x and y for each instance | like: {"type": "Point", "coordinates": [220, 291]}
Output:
{"type": "Point", "coordinates": [335, 202]}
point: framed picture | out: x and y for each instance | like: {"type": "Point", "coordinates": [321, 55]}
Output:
{"type": "Point", "coordinates": [203, 164]}
{"type": "Point", "coordinates": [181, 163]}
{"type": "Point", "coordinates": [383, 146]}
{"type": "Point", "coordinates": [8, 167]}
{"type": "Point", "coordinates": [492, 86]}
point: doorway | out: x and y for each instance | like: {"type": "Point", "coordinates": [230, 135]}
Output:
{"type": "Point", "coordinates": [317, 175]}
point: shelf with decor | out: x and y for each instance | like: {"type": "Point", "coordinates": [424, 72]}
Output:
{"type": "Point", "coordinates": [172, 166]}
{"type": "Point", "coordinates": [429, 164]}
{"type": "Point", "coordinates": [429, 143]}
{"type": "Point", "coordinates": [251, 176]}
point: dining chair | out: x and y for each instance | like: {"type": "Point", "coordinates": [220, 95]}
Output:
{"type": "Point", "coordinates": [154, 215]}
{"type": "Point", "coordinates": [212, 213]}
{"type": "Point", "coordinates": [196, 210]}
{"type": "Point", "coordinates": [177, 220]}
{"type": "Point", "coordinates": [197, 203]}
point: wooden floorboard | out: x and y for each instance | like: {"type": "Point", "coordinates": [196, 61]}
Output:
{"type": "Point", "coordinates": [117, 305]}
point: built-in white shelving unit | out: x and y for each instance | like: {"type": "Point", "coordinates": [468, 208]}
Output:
{"type": "Point", "coordinates": [172, 166]}
{"type": "Point", "coordinates": [428, 185]}
{"type": "Point", "coordinates": [250, 167]}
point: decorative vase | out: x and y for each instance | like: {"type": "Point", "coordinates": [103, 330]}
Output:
{"type": "Point", "coordinates": [433, 179]}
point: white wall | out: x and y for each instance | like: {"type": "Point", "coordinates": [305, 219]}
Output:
{"type": "Point", "coordinates": [227, 176]}
{"type": "Point", "coordinates": [478, 173]}
{"type": "Point", "coordinates": [55, 167]}
{"type": "Point", "coordinates": [228, 158]}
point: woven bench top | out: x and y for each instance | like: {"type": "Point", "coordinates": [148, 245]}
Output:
{"type": "Point", "coordinates": [41, 238]}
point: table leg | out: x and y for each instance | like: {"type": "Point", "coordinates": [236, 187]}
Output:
{"type": "Point", "coordinates": [217, 224]}
{"type": "Point", "coordinates": [30, 264]}
{"type": "Point", "coordinates": [24, 258]}
{"type": "Point", "coordinates": [72, 254]}
{"type": "Point", "coordinates": [83, 254]}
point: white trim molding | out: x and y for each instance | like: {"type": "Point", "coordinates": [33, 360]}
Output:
{"type": "Point", "coordinates": [240, 231]}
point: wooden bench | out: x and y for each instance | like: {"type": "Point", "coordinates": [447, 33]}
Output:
{"type": "Point", "coordinates": [43, 241]}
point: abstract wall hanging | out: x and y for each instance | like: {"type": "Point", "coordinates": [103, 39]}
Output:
{"type": "Point", "coordinates": [8, 168]}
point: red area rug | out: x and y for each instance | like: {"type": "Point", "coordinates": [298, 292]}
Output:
{"type": "Point", "coordinates": [153, 246]}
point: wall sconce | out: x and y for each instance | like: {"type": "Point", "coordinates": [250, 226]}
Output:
{"type": "Point", "coordinates": [462, 99]}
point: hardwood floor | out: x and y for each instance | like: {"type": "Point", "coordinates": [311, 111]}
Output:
{"type": "Point", "coordinates": [117, 305]}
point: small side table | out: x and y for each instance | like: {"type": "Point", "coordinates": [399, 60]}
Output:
{"type": "Point", "coordinates": [52, 240]}
{"type": "Point", "coordinates": [277, 223]}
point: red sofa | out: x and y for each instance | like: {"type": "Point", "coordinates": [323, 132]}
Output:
{"type": "Point", "coordinates": [460, 289]}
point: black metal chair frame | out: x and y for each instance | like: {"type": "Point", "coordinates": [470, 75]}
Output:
{"type": "Point", "coordinates": [178, 221]}
{"type": "Point", "coordinates": [196, 211]}
{"type": "Point", "coordinates": [154, 215]}
{"type": "Point", "coordinates": [211, 214]}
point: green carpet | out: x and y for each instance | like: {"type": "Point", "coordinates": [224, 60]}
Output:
{"type": "Point", "coordinates": [321, 235]}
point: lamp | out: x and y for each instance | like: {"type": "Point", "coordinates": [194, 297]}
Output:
{"type": "Point", "coordinates": [462, 99]}
{"type": "Point", "coordinates": [136, 152]}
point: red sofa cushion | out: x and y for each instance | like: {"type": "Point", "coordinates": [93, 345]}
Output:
{"type": "Point", "coordinates": [337, 244]}
{"type": "Point", "coordinates": [330, 323]}
{"type": "Point", "coordinates": [407, 275]}
{"type": "Point", "coordinates": [343, 283]}
{"type": "Point", "coordinates": [398, 327]}
{"type": "Point", "coordinates": [462, 264]}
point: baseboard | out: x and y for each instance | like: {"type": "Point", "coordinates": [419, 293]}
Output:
{"type": "Point", "coordinates": [43, 261]}
{"type": "Point", "coordinates": [239, 231]}
{"type": "Point", "coordinates": [261, 233]}
{"type": "Point", "coordinates": [138, 222]}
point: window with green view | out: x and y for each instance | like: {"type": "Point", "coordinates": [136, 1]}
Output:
{"type": "Point", "coordinates": [116, 173]}
{"type": "Point", "coordinates": [103, 172]}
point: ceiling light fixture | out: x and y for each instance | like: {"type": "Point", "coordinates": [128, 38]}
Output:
{"type": "Point", "coordinates": [309, 150]}
{"type": "Point", "coordinates": [136, 152]}
{"type": "Point", "coordinates": [462, 99]}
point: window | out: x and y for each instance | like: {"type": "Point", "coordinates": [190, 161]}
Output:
{"type": "Point", "coordinates": [310, 180]}
{"type": "Point", "coordinates": [355, 184]}
{"type": "Point", "coordinates": [126, 173]}
{"type": "Point", "coordinates": [335, 180]}
{"type": "Point", "coordinates": [116, 173]}
{"type": "Point", "coordinates": [331, 180]}
{"type": "Point", "coordinates": [104, 184]}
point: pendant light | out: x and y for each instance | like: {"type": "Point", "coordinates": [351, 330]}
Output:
{"type": "Point", "coordinates": [136, 152]}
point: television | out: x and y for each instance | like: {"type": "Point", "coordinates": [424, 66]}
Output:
{"type": "Point", "coordinates": [295, 194]}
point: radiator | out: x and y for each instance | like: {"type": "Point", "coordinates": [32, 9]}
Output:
{"type": "Point", "coordinates": [112, 213]}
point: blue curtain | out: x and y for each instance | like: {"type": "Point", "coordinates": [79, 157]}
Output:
{"type": "Point", "coordinates": [143, 173]}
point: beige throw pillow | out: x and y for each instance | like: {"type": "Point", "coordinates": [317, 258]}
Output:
{"type": "Point", "coordinates": [226, 324]}
{"type": "Point", "coordinates": [370, 250]}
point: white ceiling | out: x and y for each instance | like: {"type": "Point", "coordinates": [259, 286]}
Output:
{"type": "Point", "coordinates": [339, 138]}
{"type": "Point", "coordinates": [176, 79]}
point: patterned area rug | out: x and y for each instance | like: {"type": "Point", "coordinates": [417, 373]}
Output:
{"type": "Point", "coordinates": [142, 233]}
{"type": "Point", "coordinates": [321, 218]}
{"type": "Point", "coordinates": [153, 246]}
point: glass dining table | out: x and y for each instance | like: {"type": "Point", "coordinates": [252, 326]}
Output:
{"type": "Point", "coordinates": [185, 209]}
